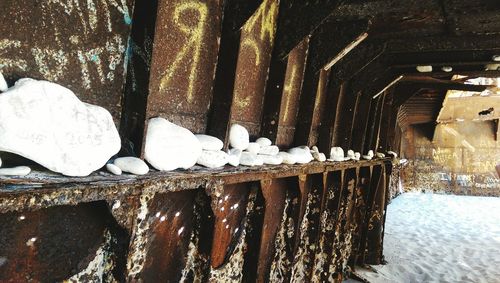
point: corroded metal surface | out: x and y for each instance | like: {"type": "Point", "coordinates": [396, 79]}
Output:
{"type": "Point", "coordinates": [79, 44]}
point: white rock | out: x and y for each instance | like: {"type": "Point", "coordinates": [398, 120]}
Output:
{"type": "Point", "coordinates": [250, 159]}
{"type": "Point", "coordinates": [350, 154]}
{"type": "Point", "coordinates": [287, 158]}
{"type": "Point", "coordinates": [113, 169]}
{"type": "Point", "coordinates": [15, 171]}
{"type": "Point", "coordinates": [238, 137]}
{"type": "Point", "coordinates": [47, 123]}
{"type": "Point", "coordinates": [367, 157]}
{"type": "Point", "coordinates": [253, 147]}
{"type": "Point", "coordinates": [264, 141]}
{"type": "Point", "coordinates": [132, 165]}
{"type": "Point", "coordinates": [3, 83]}
{"type": "Point", "coordinates": [336, 154]}
{"type": "Point", "coordinates": [213, 159]}
{"type": "Point", "coordinates": [370, 153]}
{"type": "Point", "coordinates": [424, 69]}
{"type": "Point", "coordinates": [315, 149]}
{"type": "Point", "coordinates": [169, 146]}
{"type": "Point", "coordinates": [302, 154]}
{"type": "Point", "coordinates": [357, 156]}
{"type": "Point", "coordinates": [492, 67]}
{"type": "Point", "coordinates": [0, 162]}
{"type": "Point", "coordinates": [271, 159]}
{"type": "Point", "coordinates": [392, 153]}
{"type": "Point", "coordinates": [209, 142]}
{"type": "Point", "coordinates": [269, 150]}
{"type": "Point", "coordinates": [380, 155]}
{"type": "Point", "coordinates": [447, 69]}
{"type": "Point", "coordinates": [496, 58]}
{"type": "Point", "coordinates": [234, 156]}
{"type": "Point", "coordinates": [319, 156]}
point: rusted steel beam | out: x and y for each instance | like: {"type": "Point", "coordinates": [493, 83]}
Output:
{"type": "Point", "coordinates": [161, 245]}
{"type": "Point", "coordinates": [298, 20]}
{"type": "Point", "coordinates": [289, 106]}
{"type": "Point", "coordinates": [388, 123]}
{"type": "Point", "coordinates": [373, 131]}
{"type": "Point", "coordinates": [227, 59]}
{"type": "Point", "coordinates": [312, 103]}
{"type": "Point", "coordinates": [326, 130]}
{"type": "Point", "coordinates": [324, 262]}
{"type": "Point", "coordinates": [346, 36]}
{"type": "Point", "coordinates": [344, 224]}
{"type": "Point", "coordinates": [356, 60]}
{"type": "Point", "coordinates": [362, 193]}
{"type": "Point", "coordinates": [85, 49]}
{"type": "Point", "coordinates": [439, 84]}
{"type": "Point", "coordinates": [370, 74]}
{"type": "Point", "coordinates": [285, 240]}
{"type": "Point", "coordinates": [344, 122]}
{"type": "Point", "coordinates": [360, 122]}
{"type": "Point", "coordinates": [443, 43]}
{"type": "Point", "coordinates": [311, 192]}
{"type": "Point", "coordinates": [171, 84]}
{"type": "Point", "coordinates": [376, 216]}
{"type": "Point", "coordinates": [59, 243]}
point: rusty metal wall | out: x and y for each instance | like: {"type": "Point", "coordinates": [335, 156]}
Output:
{"type": "Point", "coordinates": [82, 45]}
{"type": "Point", "coordinates": [298, 224]}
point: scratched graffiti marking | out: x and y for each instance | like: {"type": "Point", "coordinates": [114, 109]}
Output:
{"type": "Point", "coordinates": [192, 47]}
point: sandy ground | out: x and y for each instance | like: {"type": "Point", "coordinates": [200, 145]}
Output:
{"type": "Point", "coordinates": [440, 238]}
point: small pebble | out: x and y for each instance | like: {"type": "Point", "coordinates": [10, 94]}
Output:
{"type": "Point", "coordinates": [253, 147]}
{"type": "Point", "coordinates": [264, 141]}
{"type": "Point", "coordinates": [380, 155]}
{"type": "Point", "coordinates": [357, 156]}
{"type": "Point", "coordinates": [132, 165]}
{"type": "Point", "coordinates": [234, 155]}
{"type": "Point", "coordinates": [113, 169]}
{"type": "Point", "coordinates": [15, 171]}
{"type": "Point", "coordinates": [319, 156]}
{"type": "Point", "coordinates": [336, 154]}
{"type": "Point", "coordinates": [238, 137]}
{"type": "Point", "coordinates": [213, 159]}
{"type": "Point", "coordinates": [269, 150]}
{"type": "Point", "coordinates": [287, 158]}
{"type": "Point", "coordinates": [424, 69]}
{"type": "Point", "coordinates": [271, 159]}
{"type": "Point", "coordinates": [209, 142]}
{"type": "Point", "coordinates": [367, 157]}
{"type": "Point", "coordinates": [302, 154]}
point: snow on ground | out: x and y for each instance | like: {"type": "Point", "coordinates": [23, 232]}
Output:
{"type": "Point", "coordinates": [440, 238]}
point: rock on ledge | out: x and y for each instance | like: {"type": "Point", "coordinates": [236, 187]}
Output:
{"type": "Point", "coordinates": [47, 123]}
{"type": "Point", "coordinates": [169, 146]}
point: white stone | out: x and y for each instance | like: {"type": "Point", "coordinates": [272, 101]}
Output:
{"type": "Point", "coordinates": [492, 67]}
{"type": "Point", "coordinates": [447, 69]}
{"type": "Point", "coordinates": [233, 160]}
{"type": "Point", "coordinates": [47, 123]}
{"type": "Point", "coordinates": [253, 147]}
{"type": "Point", "coordinates": [424, 69]}
{"type": "Point", "coordinates": [3, 83]}
{"type": "Point", "coordinates": [367, 157]}
{"type": "Point", "coordinates": [314, 149]}
{"type": "Point", "coordinates": [132, 165]}
{"type": "Point", "coordinates": [496, 58]}
{"type": "Point", "coordinates": [287, 158]}
{"type": "Point", "coordinates": [113, 169]}
{"type": "Point", "coordinates": [319, 156]}
{"type": "Point", "coordinates": [15, 171]}
{"type": "Point", "coordinates": [238, 137]}
{"type": "Point", "coordinates": [249, 159]}
{"type": "Point", "coordinates": [380, 155]}
{"type": "Point", "coordinates": [350, 154]}
{"type": "Point", "coordinates": [392, 153]}
{"type": "Point", "coordinates": [271, 159]}
{"type": "Point", "coordinates": [0, 162]}
{"type": "Point", "coordinates": [259, 160]}
{"type": "Point", "coordinates": [263, 141]}
{"type": "Point", "coordinates": [269, 150]}
{"type": "Point", "coordinates": [213, 159]}
{"type": "Point", "coordinates": [209, 142]}
{"type": "Point", "coordinates": [302, 154]}
{"type": "Point", "coordinates": [169, 146]}
{"type": "Point", "coordinates": [370, 153]}
{"type": "Point", "coordinates": [336, 154]}
{"type": "Point", "coordinates": [357, 156]}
